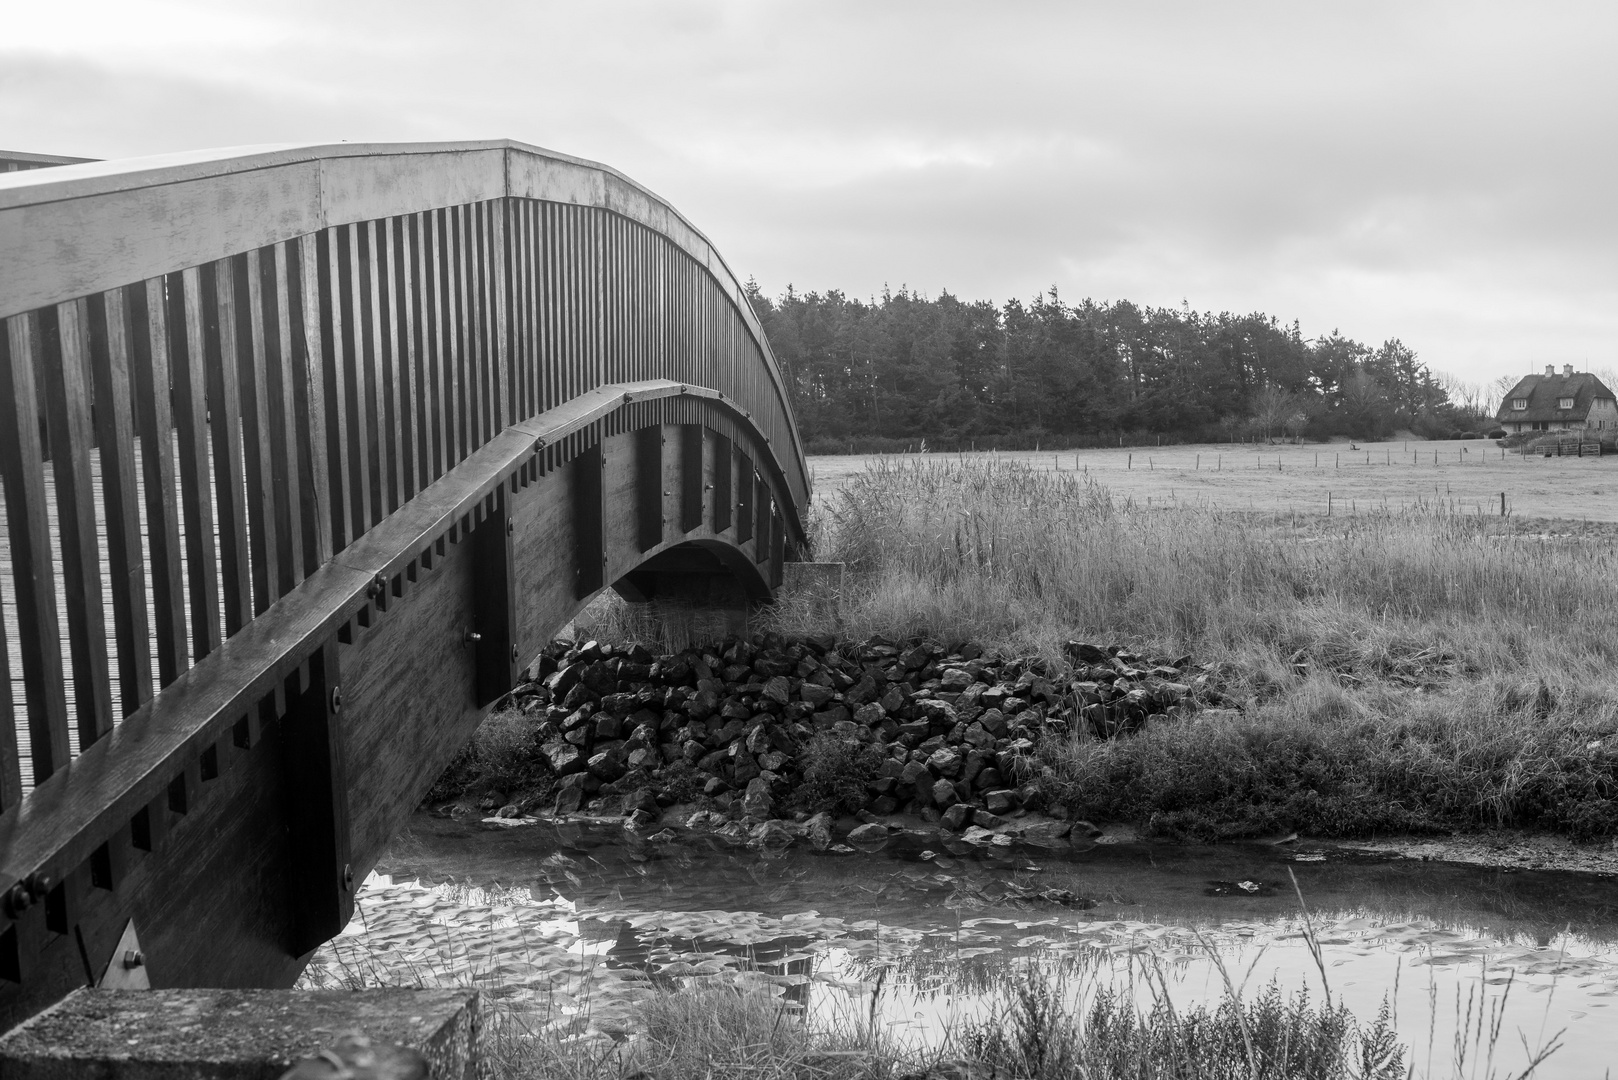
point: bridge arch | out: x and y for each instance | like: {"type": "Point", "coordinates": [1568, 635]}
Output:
{"type": "Point", "coordinates": [306, 452]}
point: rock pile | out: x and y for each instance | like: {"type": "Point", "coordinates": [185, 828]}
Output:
{"type": "Point", "coordinates": [944, 732]}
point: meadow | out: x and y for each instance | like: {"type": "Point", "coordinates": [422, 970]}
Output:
{"type": "Point", "coordinates": [1411, 666]}
{"type": "Point", "coordinates": [1467, 476]}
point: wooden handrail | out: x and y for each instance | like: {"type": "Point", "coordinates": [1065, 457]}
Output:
{"type": "Point", "coordinates": [135, 218]}
{"type": "Point", "coordinates": [66, 817]}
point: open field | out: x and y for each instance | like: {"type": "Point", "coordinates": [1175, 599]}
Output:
{"type": "Point", "coordinates": [1468, 476]}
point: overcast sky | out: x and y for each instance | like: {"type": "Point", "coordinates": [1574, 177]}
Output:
{"type": "Point", "coordinates": [1441, 173]}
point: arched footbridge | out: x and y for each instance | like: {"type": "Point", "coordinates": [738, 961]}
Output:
{"type": "Point", "coordinates": [307, 452]}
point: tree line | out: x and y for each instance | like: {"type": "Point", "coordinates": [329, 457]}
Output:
{"type": "Point", "coordinates": [890, 371]}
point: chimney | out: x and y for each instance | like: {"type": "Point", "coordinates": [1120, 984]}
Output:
{"type": "Point", "coordinates": [1550, 370]}
{"type": "Point", "coordinates": [1567, 370]}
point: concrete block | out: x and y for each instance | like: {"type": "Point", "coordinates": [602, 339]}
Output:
{"type": "Point", "coordinates": [236, 1034]}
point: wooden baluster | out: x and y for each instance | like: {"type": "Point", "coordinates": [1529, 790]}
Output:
{"type": "Point", "coordinates": [391, 437]}
{"type": "Point", "coordinates": [115, 432]}
{"type": "Point", "coordinates": [403, 307]}
{"type": "Point", "coordinates": [351, 383]}
{"type": "Point", "coordinates": [421, 300]}
{"type": "Point", "coordinates": [154, 423]}
{"type": "Point", "coordinates": [10, 758]}
{"type": "Point", "coordinates": [219, 314]}
{"type": "Point", "coordinates": [308, 321]}
{"type": "Point", "coordinates": [266, 529]}
{"type": "Point", "coordinates": [723, 492]}
{"type": "Point", "coordinates": [432, 280]}
{"type": "Point", "coordinates": [276, 406]}
{"type": "Point", "coordinates": [186, 308]}
{"type": "Point", "coordinates": [334, 347]}
{"type": "Point", "coordinates": [364, 419]}
{"type": "Point", "coordinates": [500, 357]}
{"type": "Point", "coordinates": [64, 333]}
{"type": "Point", "coordinates": [454, 341]}
{"type": "Point", "coordinates": [22, 468]}
{"type": "Point", "coordinates": [479, 356]}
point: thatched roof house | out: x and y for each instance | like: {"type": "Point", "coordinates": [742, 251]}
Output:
{"type": "Point", "coordinates": [1552, 402]}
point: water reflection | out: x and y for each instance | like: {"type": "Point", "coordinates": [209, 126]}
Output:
{"type": "Point", "coordinates": [575, 922]}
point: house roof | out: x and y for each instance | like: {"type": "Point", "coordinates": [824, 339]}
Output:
{"type": "Point", "coordinates": [1544, 392]}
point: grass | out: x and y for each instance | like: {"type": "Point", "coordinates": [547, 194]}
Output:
{"type": "Point", "coordinates": [1412, 670]}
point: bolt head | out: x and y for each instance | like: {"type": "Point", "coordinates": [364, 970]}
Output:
{"type": "Point", "coordinates": [336, 699]}
{"type": "Point", "coordinates": [348, 877]}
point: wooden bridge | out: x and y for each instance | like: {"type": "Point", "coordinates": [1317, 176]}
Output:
{"type": "Point", "coordinates": [307, 452]}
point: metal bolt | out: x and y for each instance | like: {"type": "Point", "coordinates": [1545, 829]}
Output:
{"type": "Point", "coordinates": [337, 699]}
{"type": "Point", "coordinates": [133, 959]}
{"type": "Point", "coordinates": [511, 527]}
{"type": "Point", "coordinates": [377, 585]}
{"type": "Point", "coordinates": [348, 877]}
{"type": "Point", "coordinates": [514, 654]}
{"type": "Point", "coordinates": [472, 637]}
{"type": "Point", "coordinates": [17, 900]}
{"type": "Point", "coordinates": [38, 885]}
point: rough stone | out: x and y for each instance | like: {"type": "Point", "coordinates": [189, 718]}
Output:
{"type": "Point", "coordinates": [570, 795]}
{"type": "Point", "coordinates": [945, 761]}
{"type": "Point", "coordinates": [1000, 802]}
{"type": "Point", "coordinates": [562, 757]}
{"type": "Point", "coordinates": [815, 695]}
{"type": "Point", "coordinates": [756, 802]}
{"type": "Point", "coordinates": [817, 830]}
{"type": "Point", "coordinates": [869, 833]}
{"type": "Point", "coordinates": [943, 793]}
{"type": "Point", "coordinates": [869, 713]}
{"type": "Point", "coordinates": [957, 817]}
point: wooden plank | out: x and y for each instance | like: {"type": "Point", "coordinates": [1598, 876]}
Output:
{"type": "Point", "coordinates": [367, 419]}
{"type": "Point", "coordinates": [389, 438]}
{"type": "Point", "coordinates": [110, 346]}
{"type": "Point", "coordinates": [219, 311]}
{"type": "Point", "coordinates": [10, 756]}
{"type": "Point", "coordinates": [499, 318]}
{"type": "Point", "coordinates": [723, 492]}
{"type": "Point", "coordinates": [420, 300]}
{"type": "Point", "coordinates": [433, 361]}
{"type": "Point", "coordinates": [64, 332]}
{"type": "Point", "coordinates": [745, 493]}
{"type": "Point", "coordinates": [154, 422]}
{"type": "Point", "coordinates": [280, 288]}
{"type": "Point", "coordinates": [351, 288]}
{"type": "Point", "coordinates": [403, 307]}
{"type": "Point", "coordinates": [454, 329]}
{"type": "Point", "coordinates": [187, 309]}
{"type": "Point", "coordinates": [258, 456]}
{"type": "Point", "coordinates": [691, 477]}
{"type": "Point", "coordinates": [761, 525]}
{"type": "Point", "coordinates": [22, 468]}
{"type": "Point", "coordinates": [334, 347]}
{"type": "Point", "coordinates": [307, 389]}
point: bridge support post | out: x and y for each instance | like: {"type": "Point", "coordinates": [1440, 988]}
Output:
{"type": "Point", "coordinates": [322, 878]}
{"type": "Point", "coordinates": [585, 487]}
{"type": "Point", "coordinates": [494, 577]}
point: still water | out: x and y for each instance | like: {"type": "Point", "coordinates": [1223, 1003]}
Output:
{"type": "Point", "coordinates": [575, 921]}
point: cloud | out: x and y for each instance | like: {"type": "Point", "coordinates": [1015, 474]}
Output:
{"type": "Point", "coordinates": [1433, 171]}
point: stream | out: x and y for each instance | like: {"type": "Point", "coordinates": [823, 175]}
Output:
{"type": "Point", "coordinates": [574, 921]}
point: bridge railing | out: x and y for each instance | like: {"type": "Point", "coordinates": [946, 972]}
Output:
{"type": "Point", "coordinates": [218, 371]}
